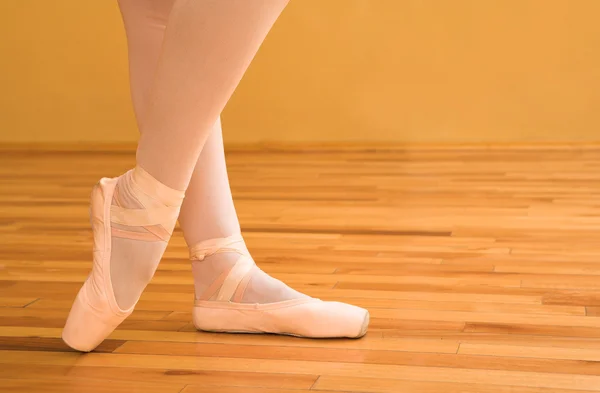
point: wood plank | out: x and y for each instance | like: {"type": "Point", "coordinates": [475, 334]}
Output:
{"type": "Point", "coordinates": [273, 352]}
{"type": "Point", "coordinates": [531, 329]}
{"type": "Point", "coordinates": [203, 389]}
{"type": "Point", "coordinates": [530, 352]}
{"type": "Point", "coordinates": [592, 311]}
{"type": "Point", "coordinates": [37, 321]}
{"type": "Point", "coordinates": [16, 301]}
{"type": "Point", "coordinates": [413, 373]}
{"type": "Point", "coordinates": [573, 298]}
{"type": "Point", "coordinates": [442, 289]}
{"type": "Point", "coordinates": [62, 313]}
{"type": "Point", "coordinates": [50, 344]}
{"type": "Point", "coordinates": [483, 317]}
{"type": "Point", "coordinates": [382, 385]}
{"type": "Point", "coordinates": [160, 376]}
{"type": "Point", "coordinates": [79, 385]}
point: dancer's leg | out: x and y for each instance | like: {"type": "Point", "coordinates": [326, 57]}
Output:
{"type": "Point", "coordinates": [208, 211]}
{"type": "Point", "coordinates": [207, 47]}
{"type": "Point", "coordinates": [133, 263]}
{"type": "Point", "coordinates": [145, 22]}
{"type": "Point", "coordinates": [208, 194]}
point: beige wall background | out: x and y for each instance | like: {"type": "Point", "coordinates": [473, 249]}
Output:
{"type": "Point", "coordinates": [406, 71]}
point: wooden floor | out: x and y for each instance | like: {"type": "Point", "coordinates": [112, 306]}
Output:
{"type": "Point", "coordinates": [481, 270]}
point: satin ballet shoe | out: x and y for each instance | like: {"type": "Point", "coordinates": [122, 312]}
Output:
{"type": "Point", "coordinates": [219, 308]}
{"type": "Point", "coordinates": [95, 312]}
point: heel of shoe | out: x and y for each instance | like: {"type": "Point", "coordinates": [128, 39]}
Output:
{"type": "Point", "coordinates": [199, 319]}
{"type": "Point", "coordinates": [85, 328]}
{"type": "Point", "coordinates": [208, 319]}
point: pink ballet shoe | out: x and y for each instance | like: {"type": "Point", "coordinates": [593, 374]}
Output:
{"type": "Point", "coordinates": [219, 308]}
{"type": "Point", "coordinates": [95, 312]}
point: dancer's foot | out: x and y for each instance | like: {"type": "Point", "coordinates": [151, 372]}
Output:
{"type": "Point", "coordinates": [132, 218]}
{"type": "Point", "coordinates": [234, 295]}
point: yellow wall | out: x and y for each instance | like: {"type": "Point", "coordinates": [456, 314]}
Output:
{"type": "Point", "coordinates": [63, 72]}
{"type": "Point", "coordinates": [332, 70]}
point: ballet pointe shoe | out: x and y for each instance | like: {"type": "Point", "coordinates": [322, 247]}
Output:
{"type": "Point", "coordinates": [219, 309]}
{"type": "Point", "coordinates": [95, 312]}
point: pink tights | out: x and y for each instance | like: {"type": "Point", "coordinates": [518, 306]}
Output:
{"type": "Point", "coordinates": [208, 196]}
{"type": "Point", "coordinates": [186, 58]}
